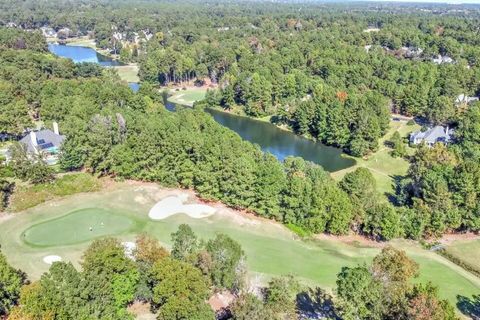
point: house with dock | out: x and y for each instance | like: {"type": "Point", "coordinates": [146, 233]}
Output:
{"type": "Point", "coordinates": [437, 134]}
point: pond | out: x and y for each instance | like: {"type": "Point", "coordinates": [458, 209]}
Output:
{"type": "Point", "coordinates": [82, 54]}
{"type": "Point", "coordinates": [280, 143]}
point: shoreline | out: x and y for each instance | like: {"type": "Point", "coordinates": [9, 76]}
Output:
{"type": "Point", "coordinates": [128, 71]}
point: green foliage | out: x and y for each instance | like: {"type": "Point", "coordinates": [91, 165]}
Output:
{"type": "Point", "coordinates": [29, 166]}
{"type": "Point", "coordinates": [180, 291]}
{"type": "Point", "coordinates": [280, 297]}
{"type": "Point", "coordinates": [11, 281]}
{"type": "Point", "coordinates": [184, 243]}
{"type": "Point", "coordinates": [360, 185]}
{"type": "Point", "coordinates": [13, 38]}
{"type": "Point", "coordinates": [26, 197]}
{"type": "Point", "coordinates": [227, 262]}
{"type": "Point", "coordinates": [6, 190]}
{"type": "Point", "coordinates": [102, 290]}
{"type": "Point", "coordinates": [398, 146]}
{"type": "Point", "coordinates": [385, 291]}
{"type": "Point", "coordinates": [383, 222]}
{"type": "Point", "coordinates": [247, 306]}
{"type": "Point", "coordinates": [359, 293]}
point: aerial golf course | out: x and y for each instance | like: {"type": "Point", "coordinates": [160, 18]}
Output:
{"type": "Point", "coordinates": [65, 227]}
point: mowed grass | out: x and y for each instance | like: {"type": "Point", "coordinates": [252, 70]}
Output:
{"type": "Point", "coordinates": [381, 164]}
{"type": "Point", "coordinates": [82, 42]}
{"type": "Point", "coordinates": [187, 97]}
{"type": "Point", "coordinates": [271, 249]}
{"type": "Point", "coordinates": [128, 73]}
{"type": "Point", "coordinates": [77, 227]}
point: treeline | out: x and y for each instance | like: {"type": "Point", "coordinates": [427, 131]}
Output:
{"type": "Point", "coordinates": [177, 285]}
{"type": "Point", "coordinates": [350, 120]}
{"type": "Point", "coordinates": [273, 65]}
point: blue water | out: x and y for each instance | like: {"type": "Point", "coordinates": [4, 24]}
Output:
{"type": "Point", "coordinates": [135, 86]}
{"type": "Point", "coordinates": [82, 54]}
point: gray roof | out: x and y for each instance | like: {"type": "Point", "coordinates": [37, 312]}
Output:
{"type": "Point", "coordinates": [46, 138]}
{"type": "Point", "coordinates": [432, 135]}
{"type": "Point", "coordinates": [462, 98]}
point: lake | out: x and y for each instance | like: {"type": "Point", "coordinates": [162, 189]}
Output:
{"type": "Point", "coordinates": [82, 54]}
{"type": "Point", "coordinates": [280, 143]}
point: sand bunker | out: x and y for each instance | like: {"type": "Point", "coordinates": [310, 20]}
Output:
{"type": "Point", "coordinates": [51, 259]}
{"type": "Point", "coordinates": [173, 205]}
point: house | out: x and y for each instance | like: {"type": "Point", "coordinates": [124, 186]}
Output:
{"type": "Point", "coordinates": [44, 141]}
{"type": "Point", "coordinates": [48, 32]}
{"type": "Point", "coordinates": [442, 59]}
{"type": "Point", "coordinates": [463, 99]}
{"type": "Point", "coordinates": [432, 136]}
{"type": "Point", "coordinates": [411, 52]}
{"type": "Point", "coordinates": [220, 303]}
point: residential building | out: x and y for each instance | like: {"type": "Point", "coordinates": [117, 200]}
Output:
{"type": "Point", "coordinates": [44, 141]}
{"type": "Point", "coordinates": [437, 134]}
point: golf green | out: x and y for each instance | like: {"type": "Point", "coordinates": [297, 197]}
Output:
{"type": "Point", "coordinates": [76, 227]}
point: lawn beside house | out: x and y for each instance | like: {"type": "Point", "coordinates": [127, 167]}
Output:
{"type": "Point", "coordinates": [382, 165]}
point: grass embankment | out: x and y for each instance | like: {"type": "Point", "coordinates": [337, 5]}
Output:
{"type": "Point", "coordinates": [187, 97]}
{"type": "Point", "coordinates": [381, 164]}
{"type": "Point", "coordinates": [27, 196]}
{"type": "Point", "coordinates": [128, 73]}
{"type": "Point", "coordinates": [271, 249]}
{"type": "Point", "coordinates": [82, 42]}
{"type": "Point", "coordinates": [465, 253]}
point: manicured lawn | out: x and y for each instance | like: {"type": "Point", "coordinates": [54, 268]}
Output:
{"type": "Point", "coordinates": [382, 165]}
{"type": "Point", "coordinates": [187, 97]}
{"type": "Point", "coordinates": [82, 42]}
{"type": "Point", "coordinates": [77, 227]}
{"type": "Point", "coordinates": [271, 249]}
{"type": "Point", "coordinates": [128, 73]}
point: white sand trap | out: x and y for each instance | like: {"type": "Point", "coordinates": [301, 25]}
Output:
{"type": "Point", "coordinates": [129, 248]}
{"type": "Point", "coordinates": [51, 259]}
{"type": "Point", "coordinates": [173, 205]}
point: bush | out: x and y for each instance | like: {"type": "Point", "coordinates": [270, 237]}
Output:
{"type": "Point", "coordinates": [299, 231]}
{"type": "Point", "coordinates": [30, 196]}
